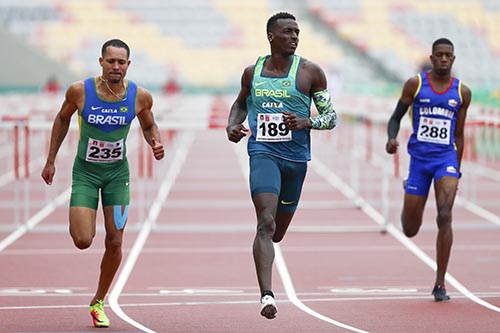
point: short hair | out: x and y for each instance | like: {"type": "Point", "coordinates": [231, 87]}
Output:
{"type": "Point", "coordinates": [116, 43]}
{"type": "Point", "coordinates": [442, 41]}
{"type": "Point", "coordinates": [281, 15]}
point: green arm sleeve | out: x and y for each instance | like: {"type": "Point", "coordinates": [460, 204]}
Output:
{"type": "Point", "coordinates": [327, 117]}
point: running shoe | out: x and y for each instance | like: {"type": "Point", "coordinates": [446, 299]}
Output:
{"type": "Point", "coordinates": [440, 294]}
{"type": "Point", "coordinates": [268, 308]}
{"type": "Point", "coordinates": [98, 316]}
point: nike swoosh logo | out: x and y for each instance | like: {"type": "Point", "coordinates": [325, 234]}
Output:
{"type": "Point", "coordinates": [95, 107]}
{"type": "Point", "coordinates": [259, 83]}
{"type": "Point", "coordinates": [96, 317]}
{"type": "Point", "coordinates": [283, 202]}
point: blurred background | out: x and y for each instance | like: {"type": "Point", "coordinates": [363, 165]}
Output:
{"type": "Point", "coordinates": [190, 54]}
{"type": "Point", "coordinates": [365, 46]}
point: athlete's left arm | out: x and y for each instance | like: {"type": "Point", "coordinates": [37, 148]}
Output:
{"type": "Point", "coordinates": [462, 115]}
{"type": "Point", "coordinates": [327, 117]}
{"type": "Point", "coordinates": [312, 79]}
{"type": "Point", "coordinates": [143, 110]}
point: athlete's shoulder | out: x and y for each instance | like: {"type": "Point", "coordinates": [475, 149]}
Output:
{"type": "Point", "coordinates": [411, 88]}
{"type": "Point", "coordinates": [464, 87]}
{"type": "Point", "coordinates": [247, 76]}
{"type": "Point", "coordinates": [259, 62]}
{"type": "Point", "coordinates": [414, 82]}
{"type": "Point", "coordinates": [311, 77]}
{"type": "Point", "coordinates": [466, 93]}
{"type": "Point", "coordinates": [249, 69]}
{"type": "Point", "coordinates": [307, 64]}
{"type": "Point", "coordinates": [415, 79]}
{"type": "Point", "coordinates": [144, 95]}
{"type": "Point", "coordinates": [312, 68]}
{"type": "Point", "coordinates": [77, 85]}
{"type": "Point", "coordinates": [75, 91]}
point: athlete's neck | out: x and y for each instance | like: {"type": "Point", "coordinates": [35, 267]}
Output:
{"type": "Point", "coordinates": [279, 64]}
{"type": "Point", "coordinates": [117, 89]}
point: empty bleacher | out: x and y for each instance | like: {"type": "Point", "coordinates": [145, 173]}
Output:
{"type": "Point", "coordinates": [399, 33]}
{"type": "Point", "coordinates": [207, 43]}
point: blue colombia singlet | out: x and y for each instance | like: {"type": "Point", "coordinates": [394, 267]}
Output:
{"type": "Point", "coordinates": [268, 97]}
{"type": "Point", "coordinates": [434, 116]}
{"type": "Point", "coordinates": [104, 125]}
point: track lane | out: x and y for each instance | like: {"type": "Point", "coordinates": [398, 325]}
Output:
{"type": "Point", "coordinates": [196, 272]}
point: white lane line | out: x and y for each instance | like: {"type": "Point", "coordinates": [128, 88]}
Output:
{"type": "Point", "coordinates": [37, 218]}
{"type": "Point", "coordinates": [410, 245]}
{"type": "Point", "coordinates": [165, 187]}
{"type": "Point", "coordinates": [292, 295]}
{"type": "Point", "coordinates": [479, 211]}
{"type": "Point", "coordinates": [202, 292]}
{"type": "Point", "coordinates": [334, 180]}
{"type": "Point", "coordinates": [396, 233]}
{"type": "Point", "coordinates": [248, 299]}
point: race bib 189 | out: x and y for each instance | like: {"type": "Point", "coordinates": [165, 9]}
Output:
{"type": "Point", "coordinates": [434, 130]}
{"type": "Point", "coordinates": [104, 151]}
{"type": "Point", "coordinates": [270, 127]}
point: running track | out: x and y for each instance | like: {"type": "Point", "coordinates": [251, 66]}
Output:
{"type": "Point", "coordinates": [187, 263]}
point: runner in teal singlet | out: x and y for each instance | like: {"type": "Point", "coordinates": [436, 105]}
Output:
{"type": "Point", "coordinates": [438, 103]}
{"type": "Point", "coordinates": [276, 96]}
{"type": "Point", "coordinates": [106, 106]}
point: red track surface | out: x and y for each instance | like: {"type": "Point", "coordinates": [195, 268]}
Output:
{"type": "Point", "coordinates": [195, 273]}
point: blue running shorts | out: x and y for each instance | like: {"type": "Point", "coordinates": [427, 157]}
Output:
{"type": "Point", "coordinates": [271, 174]}
{"type": "Point", "coordinates": [422, 171]}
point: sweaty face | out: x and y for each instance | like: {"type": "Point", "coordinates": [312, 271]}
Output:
{"type": "Point", "coordinates": [442, 59]}
{"type": "Point", "coordinates": [285, 36]}
{"type": "Point", "coordinates": [114, 64]}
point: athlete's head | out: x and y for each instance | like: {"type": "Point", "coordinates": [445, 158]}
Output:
{"type": "Point", "coordinates": [283, 33]}
{"type": "Point", "coordinates": [116, 43]}
{"type": "Point", "coordinates": [442, 56]}
{"type": "Point", "coordinates": [114, 60]}
{"type": "Point", "coordinates": [273, 19]}
{"type": "Point", "coordinates": [442, 41]}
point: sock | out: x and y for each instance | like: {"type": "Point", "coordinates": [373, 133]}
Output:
{"type": "Point", "coordinates": [267, 292]}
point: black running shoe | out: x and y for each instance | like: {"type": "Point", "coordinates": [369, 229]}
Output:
{"type": "Point", "coordinates": [440, 294]}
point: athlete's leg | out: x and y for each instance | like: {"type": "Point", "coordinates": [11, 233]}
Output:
{"type": "Point", "coordinates": [417, 187]}
{"type": "Point", "coordinates": [412, 213]}
{"type": "Point", "coordinates": [115, 202]}
{"type": "Point", "coordinates": [265, 184]}
{"type": "Point", "coordinates": [82, 226]}
{"type": "Point", "coordinates": [445, 189]}
{"type": "Point", "coordinates": [113, 251]}
{"type": "Point", "coordinates": [293, 175]}
{"type": "Point", "coordinates": [83, 204]}
{"type": "Point", "coordinates": [283, 220]}
{"type": "Point", "coordinates": [263, 248]}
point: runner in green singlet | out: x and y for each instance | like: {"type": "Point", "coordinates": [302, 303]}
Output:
{"type": "Point", "coordinates": [106, 106]}
{"type": "Point", "coordinates": [276, 96]}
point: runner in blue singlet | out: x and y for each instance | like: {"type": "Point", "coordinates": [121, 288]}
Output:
{"type": "Point", "coordinates": [438, 108]}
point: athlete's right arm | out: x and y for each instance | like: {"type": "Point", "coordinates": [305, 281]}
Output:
{"type": "Point", "coordinates": [235, 129]}
{"type": "Point", "coordinates": [394, 123]}
{"type": "Point", "coordinates": [73, 100]}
